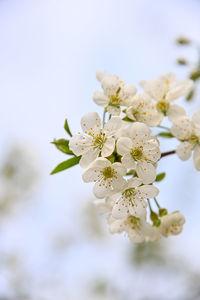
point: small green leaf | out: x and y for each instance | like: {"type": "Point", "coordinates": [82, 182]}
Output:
{"type": "Point", "coordinates": [160, 177]}
{"type": "Point", "coordinates": [66, 164]}
{"type": "Point", "coordinates": [63, 146]}
{"type": "Point", "coordinates": [66, 126]}
{"type": "Point", "coordinates": [165, 134]}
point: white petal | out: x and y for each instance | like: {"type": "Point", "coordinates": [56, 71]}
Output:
{"type": "Point", "coordinates": [116, 226]}
{"type": "Point", "coordinates": [129, 162]}
{"type": "Point", "coordinates": [136, 235]}
{"type": "Point", "coordinates": [184, 150]}
{"type": "Point", "coordinates": [108, 147]}
{"type": "Point", "coordinates": [119, 168]}
{"type": "Point", "coordinates": [91, 122]}
{"type": "Point", "coordinates": [124, 145]}
{"type": "Point", "coordinates": [100, 75]}
{"type": "Point", "coordinates": [91, 174]}
{"type": "Point", "coordinates": [139, 209]}
{"type": "Point", "coordinates": [88, 157]}
{"type": "Point", "coordinates": [175, 111]}
{"type": "Point", "coordinates": [148, 191]}
{"type": "Point", "coordinates": [80, 144]}
{"type": "Point", "coordinates": [129, 89]}
{"type": "Point", "coordinates": [118, 183]}
{"type": "Point", "coordinates": [134, 182]}
{"type": "Point", "coordinates": [196, 117]}
{"type": "Point", "coordinates": [100, 99]}
{"type": "Point", "coordinates": [151, 150]}
{"type": "Point", "coordinates": [120, 209]}
{"type": "Point", "coordinates": [139, 132]}
{"type": "Point", "coordinates": [146, 171]}
{"type": "Point", "coordinates": [113, 110]}
{"type": "Point", "coordinates": [100, 189]}
{"type": "Point", "coordinates": [155, 88]}
{"type": "Point", "coordinates": [100, 163]}
{"type": "Point", "coordinates": [196, 157]}
{"type": "Point", "coordinates": [182, 128]}
{"type": "Point", "coordinates": [129, 113]}
{"type": "Point", "coordinates": [112, 126]}
{"type": "Point", "coordinates": [179, 89]}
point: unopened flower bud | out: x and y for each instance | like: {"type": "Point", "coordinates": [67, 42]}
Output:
{"type": "Point", "coordinates": [182, 61]}
{"type": "Point", "coordinates": [183, 40]}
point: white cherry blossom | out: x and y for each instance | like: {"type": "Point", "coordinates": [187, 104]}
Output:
{"type": "Point", "coordinates": [138, 230]}
{"type": "Point", "coordinates": [143, 110]}
{"type": "Point", "coordinates": [140, 151]}
{"type": "Point", "coordinates": [188, 132]}
{"type": "Point", "coordinates": [131, 200]}
{"type": "Point", "coordinates": [107, 176]}
{"type": "Point", "coordinates": [172, 224]}
{"type": "Point", "coordinates": [115, 93]}
{"type": "Point", "coordinates": [94, 140]}
{"type": "Point", "coordinates": [165, 89]}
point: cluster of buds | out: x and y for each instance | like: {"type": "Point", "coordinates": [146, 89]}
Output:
{"type": "Point", "coordinates": [120, 153]}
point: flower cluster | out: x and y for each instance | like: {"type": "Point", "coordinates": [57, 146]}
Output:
{"type": "Point", "coordinates": [120, 153]}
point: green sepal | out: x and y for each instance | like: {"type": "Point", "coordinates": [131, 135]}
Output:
{"type": "Point", "coordinates": [66, 164]}
{"type": "Point", "coordinates": [157, 223]}
{"type": "Point", "coordinates": [153, 216]}
{"type": "Point", "coordinates": [160, 177]}
{"type": "Point", "coordinates": [66, 126]}
{"type": "Point", "coordinates": [63, 146]}
{"type": "Point", "coordinates": [163, 212]}
{"type": "Point", "coordinates": [127, 119]}
{"type": "Point", "coordinates": [165, 134]}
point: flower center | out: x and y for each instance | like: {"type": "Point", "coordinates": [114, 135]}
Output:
{"type": "Point", "coordinates": [136, 153]}
{"type": "Point", "coordinates": [133, 222]}
{"type": "Point", "coordinates": [108, 172]}
{"type": "Point", "coordinates": [194, 139]}
{"type": "Point", "coordinates": [99, 140]}
{"type": "Point", "coordinates": [129, 195]}
{"type": "Point", "coordinates": [162, 106]}
{"type": "Point", "coordinates": [115, 100]}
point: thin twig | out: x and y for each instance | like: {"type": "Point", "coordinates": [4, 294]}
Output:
{"type": "Point", "coordinates": [167, 153]}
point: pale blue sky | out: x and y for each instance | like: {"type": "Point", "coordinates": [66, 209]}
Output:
{"type": "Point", "coordinates": [49, 52]}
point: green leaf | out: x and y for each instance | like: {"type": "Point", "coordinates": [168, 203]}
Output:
{"type": "Point", "coordinates": [160, 177]}
{"type": "Point", "coordinates": [66, 126]}
{"type": "Point", "coordinates": [63, 146]}
{"type": "Point", "coordinates": [66, 164]}
{"type": "Point", "coordinates": [165, 134]}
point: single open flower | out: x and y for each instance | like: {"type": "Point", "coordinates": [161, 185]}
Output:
{"type": "Point", "coordinates": [131, 200]}
{"type": "Point", "coordinates": [107, 176]}
{"type": "Point", "coordinates": [138, 230]}
{"type": "Point", "coordinates": [143, 110]}
{"type": "Point", "coordinates": [115, 93]}
{"type": "Point", "coordinates": [188, 132]}
{"type": "Point", "coordinates": [165, 89]}
{"type": "Point", "coordinates": [94, 140]}
{"type": "Point", "coordinates": [140, 151]}
{"type": "Point", "coordinates": [172, 224]}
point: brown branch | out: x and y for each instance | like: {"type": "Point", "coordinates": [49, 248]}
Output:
{"type": "Point", "coordinates": [167, 153]}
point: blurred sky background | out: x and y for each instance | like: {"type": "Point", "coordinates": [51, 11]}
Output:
{"type": "Point", "coordinates": [49, 53]}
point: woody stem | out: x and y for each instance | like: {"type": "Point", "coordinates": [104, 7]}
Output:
{"type": "Point", "coordinates": [167, 153]}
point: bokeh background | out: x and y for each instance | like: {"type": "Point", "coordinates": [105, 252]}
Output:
{"type": "Point", "coordinates": [53, 242]}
